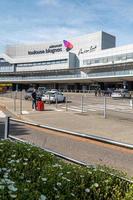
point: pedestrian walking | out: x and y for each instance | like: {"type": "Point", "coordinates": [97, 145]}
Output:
{"type": "Point", "coordinates": [95, 92]}
{"type": "Point", "coordinates": [99, 91]}
{"type": "Point", "coordinates": [34, 99]}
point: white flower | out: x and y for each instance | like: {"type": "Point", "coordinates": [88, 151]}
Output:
{"type": "Point", "coordinates": [5, 175]}
{"type": "Point", "coordinates": [55, 189]}
{"type": "Point", "coordinates": [87, 190]}
{"type": "Point", "coordinates": [42, 197]}
{"type": "Point", "coordinates": [12, 188]}
{"type": "Point", "coordinates": [60, 174]}
{"type": "Point", "coordinates": [13, 156]}
{"type": "Point", "coordinates": [2, 187]}
{"type": "Point", "coordinates": [56, 165]}
{"type": "Point", "coordinates": [72, 194]}
{"type": "Point", "coordinates": [4, 169]}
{"type": "Point", "coordinates": [13, 195]}
{"type": "Point", "coordinates": [44, 179]}
{"type": "Point", "coordinates": [59, 184]}
{"type": "Point", "coordinates": [96, 185]}
{"type": "Point", "coordinates": [25, 163]}
{"type": "Point", "coordinates": [28, 181]}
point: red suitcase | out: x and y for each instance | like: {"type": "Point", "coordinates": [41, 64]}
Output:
{"type": "Point", "coordinates": [40, 105]}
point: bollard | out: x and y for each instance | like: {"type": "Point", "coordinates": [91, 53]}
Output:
{"type": "Point", "coordinates": [131, 103]}
{"type": "Point", "coordinates": [82, 97]}
{"type": "Point", "coordinates": [14, 106]}
{"type": "Point", "coordinates": [6, 127]}
{"type": "Point", "coordinates": [104, 107]}
{"type": "Point", "coordinates": [49, 98]}
{"type": "Point", "coordinates": [56, 101]}
{"type": "Point", "coordinates": [21, 103]}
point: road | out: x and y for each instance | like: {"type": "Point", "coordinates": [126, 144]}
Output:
{"type": "Point", "coordinates": [88, 151]}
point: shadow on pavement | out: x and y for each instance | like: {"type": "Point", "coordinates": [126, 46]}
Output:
{"type": "Point", "coordinates": [18, 129]}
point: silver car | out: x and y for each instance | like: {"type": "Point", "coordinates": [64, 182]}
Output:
{"type": "Point", "coordinates": [53, 96]}
{"type": "Point", "coordinates": [121, 93]}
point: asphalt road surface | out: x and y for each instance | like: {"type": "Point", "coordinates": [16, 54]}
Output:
{"type": "Point", "coordinates": [87, 151]}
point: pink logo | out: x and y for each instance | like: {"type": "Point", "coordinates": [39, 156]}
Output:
{"type": "Point", "coordinates": [68, 45]}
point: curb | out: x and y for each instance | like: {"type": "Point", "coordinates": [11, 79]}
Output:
{"type": "Point", "coordinates": [88, 136]}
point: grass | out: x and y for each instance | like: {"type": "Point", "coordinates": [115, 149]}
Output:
{"type": "Point", "coordinates": [29, 173]}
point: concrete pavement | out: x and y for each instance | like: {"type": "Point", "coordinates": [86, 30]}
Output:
{"type": "Point", "coordinates": [92, 123]}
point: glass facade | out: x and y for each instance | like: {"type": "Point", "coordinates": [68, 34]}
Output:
{"type": "Point", "coordinates": [108, 59]}
{"type": "Point", "coordinates": [51, 62]}
{"type": "Point", "coordinates": [5, 66]}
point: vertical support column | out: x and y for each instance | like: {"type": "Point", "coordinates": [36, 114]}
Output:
{"type": "Point", "coordinates": [6, 133]}
{"type": "Point", "coordinates": [105, 107]}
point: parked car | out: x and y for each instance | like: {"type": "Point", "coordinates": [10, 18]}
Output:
{"type": "Point", "coordinates": [108, 92]}
{"type": "Point", "coordinates": [28, 95]}
{"type": "Point", "coordinates": [54, 90]}
{"type": "Point", "coordinates": [41, 90]}
{"type": "Point", "coordinates": [53, 96]}
{"type": "Point", "coordinates": [121, 93]}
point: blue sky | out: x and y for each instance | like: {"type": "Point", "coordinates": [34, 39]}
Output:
{"type": "Point", "coordinates": [27, 21]}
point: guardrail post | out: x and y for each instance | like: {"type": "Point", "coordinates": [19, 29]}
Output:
{"type": "Point", "coordinates": [82, 103]}
{"type": "Point", "coordinates": [105, 107]}
{"type": "Point", "coordinates": [6, 133]}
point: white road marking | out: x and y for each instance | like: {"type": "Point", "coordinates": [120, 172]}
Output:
{"type": "Point", "coordinates": [25, 112]}
{"type": "Point", "coordinates": [58, 110]}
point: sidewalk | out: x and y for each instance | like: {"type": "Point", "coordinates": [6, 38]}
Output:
{"type": "Point", "coordinates": [91, 123]}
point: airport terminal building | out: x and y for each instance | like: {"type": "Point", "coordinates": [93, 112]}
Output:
{"type": "Point", "coordinates": [74, 64]}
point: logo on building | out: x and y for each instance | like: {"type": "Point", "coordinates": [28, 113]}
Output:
{"type": "Point", "coordinates": [51, 49]}
{"type": "Point", "coordinates": [91, 49]}
{"type": "Point", "coordinates": [68, 45]}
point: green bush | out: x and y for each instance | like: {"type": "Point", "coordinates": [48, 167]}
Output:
{"type": "Point", "coordinates": [29, 173]}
